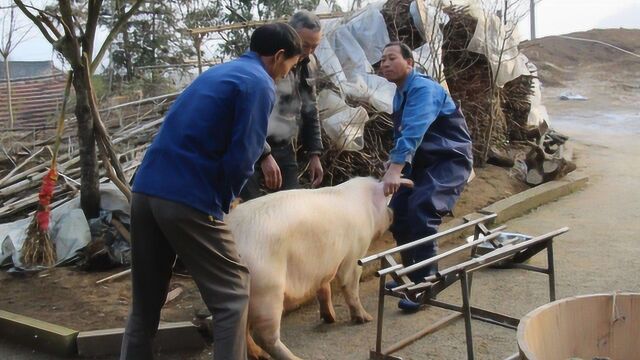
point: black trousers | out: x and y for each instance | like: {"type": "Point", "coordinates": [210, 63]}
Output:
{"type": "Point", "coordinates": [285, 156]}
{"type": "Point", "coordinates": [162, 229]}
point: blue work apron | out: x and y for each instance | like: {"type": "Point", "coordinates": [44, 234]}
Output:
{"type": "Point", "coordinates": [439, 169]}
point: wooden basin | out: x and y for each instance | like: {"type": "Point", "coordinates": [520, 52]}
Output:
{"type": "Point", "coordinates": [583, 327]}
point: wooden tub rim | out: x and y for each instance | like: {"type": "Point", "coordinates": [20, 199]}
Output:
{"type": "Point", "coordinates": [524, 348]}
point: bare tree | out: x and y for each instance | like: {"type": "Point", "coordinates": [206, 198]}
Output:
{"type": "Point", "coordinates": [70, 26]}
{"type": "Point", "coordinates": [500, 24]}
{"type": "Point", "coordinates": [431, 19]}
{"type": "Point", "coordinates": [11, 36]}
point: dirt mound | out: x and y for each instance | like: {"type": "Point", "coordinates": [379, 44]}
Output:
{"type": "Point", "coordinates": [559, 58]}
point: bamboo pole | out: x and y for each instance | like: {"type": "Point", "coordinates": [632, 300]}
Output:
{"type": "Point", "coordinates": [249, 24]}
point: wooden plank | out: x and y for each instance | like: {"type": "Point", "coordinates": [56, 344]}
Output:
{"type": "Point", "coordinates": [170, 337]}
{"type": "Point", "coordinates": [38, 335]}
{"type": "Point", "coordinates": [422, 333]}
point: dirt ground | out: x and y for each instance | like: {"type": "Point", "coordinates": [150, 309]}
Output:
{"type": "Point", "coordinates": [70, 297]}
{"type": "Point", "coordinates": [599, 254]}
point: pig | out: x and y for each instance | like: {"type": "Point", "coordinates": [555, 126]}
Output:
{"type": "Point", "coordinates": [295, 242]}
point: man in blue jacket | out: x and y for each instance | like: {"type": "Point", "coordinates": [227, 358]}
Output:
{"type": "Point", "coordinates": [196, 165]}
{"type": "Point", "coordinates": [432, 147]}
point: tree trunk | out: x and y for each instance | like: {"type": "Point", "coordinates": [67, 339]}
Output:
{"type": "Point", "coordinates": [128, 63]}
{"type": "Point", "coordinates": [9, 97]}
{"type": "Point", "coordinates": [89, 187]}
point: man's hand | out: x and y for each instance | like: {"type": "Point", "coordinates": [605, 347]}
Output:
{"type": "Point", "coordinates": [271, 172]}
{"type": "Point", "coordinates": [392, 179]}
{"type": "Point", "coordinates": [315, 171]}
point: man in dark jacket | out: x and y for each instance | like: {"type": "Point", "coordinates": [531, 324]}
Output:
{"type": "Point", "coordinates": [294, 119]}
{"type": "Point", "coordinates": [202, 156]}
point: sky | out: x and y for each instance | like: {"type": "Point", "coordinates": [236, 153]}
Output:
{"type": "Point", "coordinates": [553, 17]}
{"type": "Point", "coordinates": [557, 17]}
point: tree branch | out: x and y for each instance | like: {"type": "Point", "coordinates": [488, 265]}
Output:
{"type": "Point", "coordinates": [67, 17]}
{"type": "Point", "coordinates": [36, 21]}
{"type": "Point", "coordinates": [113, 33]}
{"type": "Point", "coordinates": [93, 14]}
{"type": "Point", "coordinates": [73, 54]}
{"type": "Point", "coordinates": [48, 22]}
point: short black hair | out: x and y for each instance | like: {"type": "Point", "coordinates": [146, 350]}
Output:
{"type": "Point", "coordinates": [305, 19]}
{"type": "Point", "coordinates": [405, 50]}
{"type": "Point", "coordinates": [268, 39]}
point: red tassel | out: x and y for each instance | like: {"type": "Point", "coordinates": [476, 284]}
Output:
{"type": "Point", "coordinates": [46, 193]}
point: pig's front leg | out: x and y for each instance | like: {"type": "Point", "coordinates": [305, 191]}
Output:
{"type": "Point", "coordinates": [349, 278]}
{"type": "Point", "coordinates": [265, 314]}
{"type": "Point", "coordinates": [254, 352]}
{"type": "Point", "coordinates": [327, 313]}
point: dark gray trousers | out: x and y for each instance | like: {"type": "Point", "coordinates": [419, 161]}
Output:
{"type": "Point", "coordinates": [285, 156]}
{"type": "Point", "coordinates": [161, 229]}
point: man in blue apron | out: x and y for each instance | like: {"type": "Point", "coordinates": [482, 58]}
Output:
{"type": "Point", "coordinates": [432, 147]}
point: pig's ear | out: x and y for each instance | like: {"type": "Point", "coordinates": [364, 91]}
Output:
{"type": "Point", "coordinates": [406, 182]}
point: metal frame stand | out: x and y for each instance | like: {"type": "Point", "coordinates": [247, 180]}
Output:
{"type": "Point", "coordinates": [426, 291]}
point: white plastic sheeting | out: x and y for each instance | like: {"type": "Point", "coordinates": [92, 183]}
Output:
{"type": "Point", "coordinates": [498, 42]}
{"type": "Point", "coordinates": [429, 18]}
{"type": "Point", "coordinates": [343, 124]}
{"type": "Point", "coordinates": [346, 54]}
{"type": "Point", "coordinates": [69, 228]}
{"type": "Point", "coordinates": [538, 115]}
{"type": "Point", "coordinates": [351, 46]}
{"type": "Point", "coordinates": [370, 31]}
{"type": "Point", "coordinates": [351, 56]}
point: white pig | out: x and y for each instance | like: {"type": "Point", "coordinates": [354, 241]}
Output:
{"type": "Point", "coordinates": [295, 242]}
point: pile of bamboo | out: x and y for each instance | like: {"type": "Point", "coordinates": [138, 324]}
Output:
{"type": "Point", "coordinates": [343, 165]}
{"type": "Point", "coordinates": [496, 117]}
{"type": "Point", "coordinates": [132, 126]}
{"type": "Point", "coordinates": [399, 24]}
{"type": "Point", "coordinates": [514, 98]}
{"type": "Point", "coordinates": [471, 82]}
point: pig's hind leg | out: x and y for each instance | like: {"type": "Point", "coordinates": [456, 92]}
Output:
{"type": "Point", "coordinates": [349, 279]}
{"type": "Point", "coordinates": [327, 312]}
{"type": "Point", "coordinates": [265, 315]}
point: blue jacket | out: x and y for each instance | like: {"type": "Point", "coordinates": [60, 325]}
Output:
{"type": "Point", "coordinates": [211, 137]}
{"type": "Point", "coordinates": [423, 100]}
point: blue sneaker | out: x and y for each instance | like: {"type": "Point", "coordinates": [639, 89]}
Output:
{"type": "Point", "coordinates": [391, 284]}
{"type": "Point", "coordinates": [408, 306]}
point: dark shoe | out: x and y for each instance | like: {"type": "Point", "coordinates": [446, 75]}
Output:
{"type": "Point", "coordinates": [391, 285]}
{"type": "Point", "coordinates": [408, 306]}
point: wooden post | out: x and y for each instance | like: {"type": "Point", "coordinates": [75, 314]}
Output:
{"type": "Point", "coordinates": [9, 95]}
{"type": "Point", "coordinates": [197, 40]}
{"type": "Point", "coordinates": [532, 18]}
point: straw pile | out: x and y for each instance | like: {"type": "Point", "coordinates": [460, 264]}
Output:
{"type": "Point", "coordinates": [399, 24]}
{"type": "Point", "coordinates": [516, 106]}
{"type": "Point", "coordinates": [342, 165]}
{"type": "Point", "coordinates": [470, 81]}
{"type": "Point", "coordinates": [494, 116]}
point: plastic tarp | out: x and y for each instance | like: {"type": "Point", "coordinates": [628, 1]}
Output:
{"type": "Point", "coordinates": [329, 62]}
{"type": "Point", "coordinates": [372, 89]}
{"type": "Point", "coordinates": [346, 54]}
{"type": "Point", "coordinates": [498, 42]}
{"type": "Point", "coordinates": [538, 116]}
{"type": "Point", "coordinates": [370, 31]}
{"type": "Point", "coordinates": [351, 56]}
{"type": "Point", "coordinates": [349, 48]}
{"type": "Point", "coordinates": [69, 228]}
{"type": "Point", "coordinates": [429, 18]}
{"type": "Point", "coordinates": [344, 125]}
